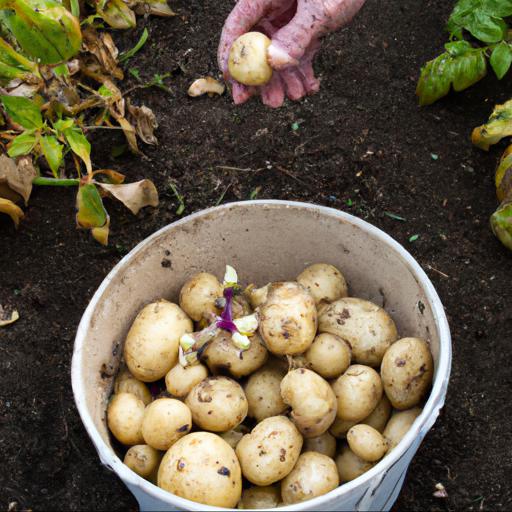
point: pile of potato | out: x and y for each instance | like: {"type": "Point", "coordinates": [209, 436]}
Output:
{"type": "Point", "coordinates": [325, 390]}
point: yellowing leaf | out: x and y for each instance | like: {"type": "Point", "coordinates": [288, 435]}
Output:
{"type": "Point", "coordinates": [23, 111]}
{"type": "Point", "coordinates": [7, 318]}
{"type": "Point", "coordinates": [114, 177]}
{"type": "Point", "coordinates": [503, 177]}
{"type": "Point", "coordinates": [501, 223]}
{"type": "Point", "coordinates": [90, 210]}
{"type": "Point", "coordinates": [134, 195]}
{"type": "Point", "coordinates": [79, 145]}
{"type": "Point", "coordinates": [9, 208]}
{"type": "Point", "coordinates": [101, 234]}
{"type": "Point", "coordinates": [52, 151]}
{"type": "Point", "coordinates": [118, 15]}
{"type": "Point", "coordinates": [498, 127]}
{"type": "Point", "coordinates": [129, 133]}
{"type": "Point", "coordinates": [17, 176]}
{"type": "Point", "coordinates": [156, 7]}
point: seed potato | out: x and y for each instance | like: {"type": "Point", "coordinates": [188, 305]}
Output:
{"type": "Point", "coordinates": [198, 295]}
{"type": "Point", "coordinates": [398, 425]}
{"type": "Point", "coordinates": [314, 475]}
{"type": "Point", "coordinates": [143, 460]}
{"type": "Point", "coordinates": [367, 327]}
{"type": "Point", "coordinates": [126, 383]}
{"type": "Point", "coordinates": [366, 442]}
{"type": "Point", "coordinates": [380, 415]}
{"type": "Point", "coordinates": [260, 497]}
{"type": "Point", "coordinates": [180, 380]}
{"type": "Point", "coordinates": [329, 355]}
{"type": "Point", "coordinates": [151, 347]}
{"type": "Point", "coordinates": [358, 392]}
{"type": "Point", "coordinates": [407, 369]}
{"type": "Point", "coordinates": [350, 466]}
{"type": "Point", "coordinates": [312, 400]}
{"type": "Point", "coordinates": [125, 413]}
{"type": "Point", "coordinates": [218, 404]}
{"type": "Point", "coordinates": [270, 451]}
{"type": "Point", "coordinates": [203, 468]}
{"type": "Point", "coordinates": [165, 421]}
{"type": "Point", "coordinates": [288, 319]}
{"type": "Point", "coordinates": [325, 282]}
{"type": "Point", "coordinates": [325, 444]}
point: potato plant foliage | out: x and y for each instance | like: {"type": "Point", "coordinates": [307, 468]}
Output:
{"type": "Point", "coordinates": [480, 37]}
{"type": "Point", "coordinates": [59, 70]}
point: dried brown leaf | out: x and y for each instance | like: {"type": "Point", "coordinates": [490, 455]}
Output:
{"type": "Point", "coordinates": [145, 123]}
{"type": "Point", "coordinates": [129, 133]}
{"type": "Point", "coordinates": [101, 234]}
{"type": "Point", "coordinates": [9, 208]}
{"type": "Point", "coordinates": [103, 48]}
{"type": "Point", "coordinates": [155, 7]}
{"type": "Point", "coordinates": [8, 317]}
{"type": "Point", "coordinates": [17, 176]}
{"type": "Point", "coordinates": [134, 195]}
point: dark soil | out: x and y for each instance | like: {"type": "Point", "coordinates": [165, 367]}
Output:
{"type": "Point", "coordinates": [362, 146]}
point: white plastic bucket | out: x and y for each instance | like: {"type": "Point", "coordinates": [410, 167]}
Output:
{"type": "Point", "coordinates": [264, 241]}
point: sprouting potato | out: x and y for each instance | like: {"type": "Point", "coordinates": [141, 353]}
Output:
{"type": "Point", "coordinates": [270, 451]}
{"type": "Point", "coordinates": [263, 392]}
{"type": "Point", "coordinates": [314, 475]}
{"type": "Point", "coordinates": [329, 355]}
{"type": "Point", "coordinates": [380, 415]}
{"type": "Point", "coordinates": [218, 404]}
{"type": "Point", "coordinates": [358, 392]}
{"type": "Point", "coordinates": [350, 466]}
{"type": "Point", "coordinates": [288, 319]}
{"type": "Point", "coordinates": [312, 400]}
{"type": "Point", "coordinates": [125, 413]}
{"type": "Point", "coordinates": [143, 460]}
{"type": "Point", "coordinates": [325, 282]}
{"type": "Point", "coordinates": [326, 444]}
{"type": "Point", "coordinates": [165, 421]}
{"type": "Point", "coordinates": [126, 383]}
{"type": "Point", "coordinates": [233, 437]}
{"type": "Point", "coordinates": [180, 380]}
{"type": "Point", "coordinates": [151, 347]}
{"type": "Point", "coordinates": [248, 63]}
{"type": "Point", "coordinates": [366, 326]}
{"type": "Point", "coordinates": [198, 296]}
{"type": "Point", "coordinates": [398, 425]}
{"type": "Point", "coordinates": [367, 443]}
{"type": "Point", "coordinates": [257, 296]}
{"type": "Point", "coordinates": [406, 371]}
{"type": "Point", "coordinates": [222, 354]}
{"type": "Point", "coordinates": [203, 468]}
{"type": "Point", "coordinates": [340, 427]}
{"type": "Point", "coordinates": [260, 497]}
{"type": "Point", "coordinates": [241, 306]}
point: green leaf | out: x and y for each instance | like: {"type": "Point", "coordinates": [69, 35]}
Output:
{"type": "Point", "coordinates": [130, 53]}
{"type": "Point", "coordinates": [79, 145]}
{"type": "Point", "coordinates": [52, 151]}
{"type": "Point", "coordinates": [61, 70]}
{"type": "Point", "coordinates": [105, 91]}
{"type": "Point", "coordinates": [91, 213]}
{"type": "Point", "coordinates": [501, 59]}
{"type": "Point", "coordinates": [135, 73]}
{"type": "Point", "coordinates": [75, 8]}
{"type": "Point", "coordinates": [63, 124]}
{"type": "Point", "coordinates": [488, 29]}
{"type": "Point", "coordinates": [23, 144]}
{"type": "Point", "coordinates": [118, 15]}
{"type": "Point", "coordinates": [501, 8]}
{"type": "Point", "coordinates": [501, 224]}
{"type": "Point", "coordinates": [23, 111]}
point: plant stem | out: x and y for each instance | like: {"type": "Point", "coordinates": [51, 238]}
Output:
{"type": "Point", "coordinates": [55, 182]}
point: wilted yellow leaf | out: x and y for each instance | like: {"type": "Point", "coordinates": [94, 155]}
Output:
{"type": "Point", "coordinates": [8, 207]}
{"type": "Point", "coordinates": [134, 195]}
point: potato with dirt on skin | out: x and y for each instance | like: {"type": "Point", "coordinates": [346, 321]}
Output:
{"type": "Point", "coordinates": [366, 326]}
{"type": "Point", "coordinates": [260, 497]}
{"type": "Point", "coordinates": [380, 415]}
{"type": "Point", "coordinates": [256, 296]}
{"type": "Point", "coordinates": [223, 354]}
{"type": "Point", "coordinates": [198, 296]}
{"type": "Point", "coordinates": [350, 466]}
{"type": "Point", "coordinates": [325, 282]}
{"type": "Point", "coordinates": [143, 460]}
{"type": "Point", "coordinates": [270, 451]}
{"type": "Point", "coordinates": [367, 443]}
{"type": "Point", "coordinates": [314, 475]}
{"type": "Point", "coordinates": [358, 391]}
{"type": "Point", "coordinates": [125, 413]}
{"type": "Point", "coordinates": [152, 343]}
{"type": "Point", "coordinates": [325, 444]}
{"type": "Point", "coordinates": [263, 392]}
{"type": "Point", "coordinates": [126, 383]}
{"type": "Point", "coordinates": [218, 404]}
{"type": "Point", "coordinates": [165, 421]}
{"type": "Point", "coordinates": [202, 467]}
{"type": "Point", "coordinates": [329, 355]}
{"type": "Point", "coordinates": [312, 400]}
{"type": "Point", "coordinates": [180, 380]}
{"type": "Point", "coordinates": [398, 425]}
{"type": "Point", "coordinates": [288, 319]}
{"type": "Point", "coordinates": [407, 369]}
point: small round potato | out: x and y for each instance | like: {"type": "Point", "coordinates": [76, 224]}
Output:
{"type": "Point", "coordinates": [180, 380]}
{"type": "Point", "coordinates": [367, 443]}
{"type": "Point", "coordinates": [329, 355]}
{"type": "Point", "coordinates": [234, 436]}
{"type": "Point", "coordinates": [151, 347]}
{"type": "Point", "coordinates": [222, 354]}
{"type": "Point", "coordinates": [203, 468]}
{"type": "Point", "coordinates": [314, 475]}
{"type": "Point", "coordinates": [312, 400]}
{"type": "Point", "coordinates": [270, 451]}
{"type": "Point", "coordinates": [288, 319]}
{"type": "Point", "coordinates": [340, 427]}
{"type": "Point", "coordinates": [125, 413]}
{"type": "Point", "coordinates": [260, 497]}
{"type": "Point", "coordinates": [218, 404]}
{"type": "Point", "coordinates": [248, 63]}
{"type": "Point", "coordinates": [127, 383]}
{"type": "Point", "coordinates": [406, 371]}
{"type": "Point", "coordinates": [367, 327]}
{"type": "Point", "coordinates": [358, 392]}
{"type": "Point", "coordinates": [263, 392]}
{"type": "Point", "coordinates": [350, 466]}
{"type": "Point", "coordinates": [380, 415]}
{"type": "Point", "coordinates": [143, 460]}
{"type": "Point", "coordinates": [198, 295]}
{"type": "Point", "coordinates": [325, 282]}
{"type": "Point", "coordinates": [165, 421]}
{"type": "Point", "coordinates": [398, 425]}
{"type": "Point", "coordinates": [326, 444]}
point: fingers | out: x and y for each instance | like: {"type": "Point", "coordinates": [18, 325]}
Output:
{"type": "Point", "coordinates": [293, 82]}
{"type": "Point", "coordinates": [240, 92]}
{"type": "Point", "coordinates": [273, 94]}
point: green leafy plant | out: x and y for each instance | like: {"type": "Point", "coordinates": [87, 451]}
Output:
{"type": "Point", "coordinates": [480, 36]}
